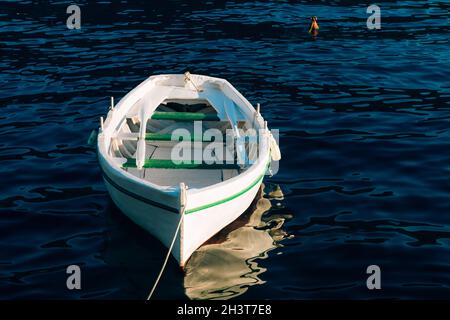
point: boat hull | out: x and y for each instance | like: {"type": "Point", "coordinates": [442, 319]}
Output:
{"type": "Point", "coordinates": [159, 222]}
{"type": "Point", "coordinates": [200, 226]}
{"type": "Point", "coordinates": [159, 206]}
{"type": "Point", "coordinates": [197, 227]}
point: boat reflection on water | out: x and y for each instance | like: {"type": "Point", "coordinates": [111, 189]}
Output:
{"type": "Point", "coordinates": [227, 265]}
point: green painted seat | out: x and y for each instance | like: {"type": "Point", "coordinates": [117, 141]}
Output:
{"type": "Point", "coordinates": [168, 137]}
{"type": "Point", "coordinates": [169, 164]}
{"type": "Point", "coordinates": [185, 116]}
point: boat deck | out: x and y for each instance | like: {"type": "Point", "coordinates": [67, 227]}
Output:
{"type": "Point", "coordinates": [197, 178]}
{"type": "Point", "coordinates": [158, 146]}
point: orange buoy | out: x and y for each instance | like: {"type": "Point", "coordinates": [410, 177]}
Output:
{"type": "Point", "coordinates": [314, 28]}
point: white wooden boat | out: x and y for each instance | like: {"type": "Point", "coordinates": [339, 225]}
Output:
{"type": "Point", "coordinates": [193, 167]}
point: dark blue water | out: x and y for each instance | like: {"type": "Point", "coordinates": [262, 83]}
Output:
{"type": "Point", "coordinates": [364, 121]}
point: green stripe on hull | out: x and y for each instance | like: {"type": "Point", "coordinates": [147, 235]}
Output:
{"type": "Point", "coordinates": [184, 116]}
{"type": "Point", "coordinates": [206, 206]}
{"type": "Point", "coordinates": [169, 164]}
{"type": "Point", "coordinates": [240, 193]}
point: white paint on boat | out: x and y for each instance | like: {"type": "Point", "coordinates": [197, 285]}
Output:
{"type": "Point", "coordinates": [150, 196]}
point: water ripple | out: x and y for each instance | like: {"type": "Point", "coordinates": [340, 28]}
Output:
{"type": "Point", "coordinates": [363, 118]}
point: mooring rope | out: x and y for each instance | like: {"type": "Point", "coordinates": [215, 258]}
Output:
{"type": "Point", "coordinates": [187, 77]}
{"type": "Point", "coordinates": [182, 209]}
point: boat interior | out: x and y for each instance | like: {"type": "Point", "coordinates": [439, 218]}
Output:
{"type": "Point", "coordinates": [174, 114]}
